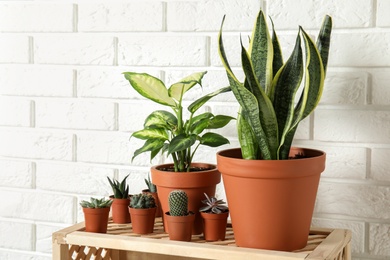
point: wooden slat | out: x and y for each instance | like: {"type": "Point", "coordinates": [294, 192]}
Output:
{"type": "Point", "coordinates": [333, 244]}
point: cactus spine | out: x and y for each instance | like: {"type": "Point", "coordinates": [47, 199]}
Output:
{"type": "Point", "coordinates": [178, 203]}
{"type": "Point", "coordinates": [142, 201]}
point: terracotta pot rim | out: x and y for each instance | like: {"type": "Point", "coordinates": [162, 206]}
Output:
{"type": "Point", "coordinates": [170, 165]}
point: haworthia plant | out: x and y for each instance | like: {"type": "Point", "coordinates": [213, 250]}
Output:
{"type": "Point", "coordinates": [268, 115]}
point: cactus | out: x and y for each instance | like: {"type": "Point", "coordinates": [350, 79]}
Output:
{"type": "Point", "coordinates": [96, 203]}
{"type": "Point", "coordinates": [120, 189]}
{"type": "Point", "coordinates": [213, 205]}
{"type": "Point", "coordinates": [142, 201]}
{"type": "Point", "coordinates": [178, 203]}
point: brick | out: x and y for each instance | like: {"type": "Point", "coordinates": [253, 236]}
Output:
{"type": "Point", "coordinates": [149, 50]}
{"type": "Point", "coordinates": [380, 164]}
{"type": "Point", "coordinates": [38, 206]}
{"type": "Point", "coordinates": [108, 82]}
{"type": "Point", "coordinates": [14, 49]}
{"type": "Point", "coordinates": [195, 16]}
{"type": "Point", "coordinates": [74, 49]}
{"type": "Point", "coordinates": [345, 88]}
{"type": "Point", "coordinates": [44, 237]}
{"type": "Point", "coordinates": [6, 255]}
{"type": "Point", "coordinates": [342, 198]}
{"type": "Point", "coordinates": [357, 229]}
{"type": "Point", "coordinates": [46, 81]}
{"type": "Point", "coordinates": [132, 115]}
{"type": "Point", "coordinates": [379, 239]}
{"type": "Point", "coordinates": [121, 17]}
{"type": "Point", "coordinates": [76, 114]}
{"type": "Point", "coordinates": [380, 92]}
{"type": "Point", "coordinates": [14, 235]}
{"type": "Point", "coordinates": [309, 15]}
{"type": "Point", "coordinates": [352, 125]}
{"type": "Point", "coordinates": [31, 17]}
{"type": "Point", "coordinates": [73, 178]}
{"type": "Point", "coordinates": [15, 111]}
{"type": "Point", "coordinates": [36, 144]}
{"type": "Point", "coordinates": [16, 174]}
{"type": "Point", "coordinates": [382, 17]}
{"type": "Point", "coordinates": [350, 49]}
{"type": "Point", "coordinates": [136, 179]}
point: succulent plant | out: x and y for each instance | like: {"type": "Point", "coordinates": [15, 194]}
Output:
{"type": "Point", "coordinates": [120, 189]}
{"type": "Point", "coordinates": [96, 203]}
{"type": "Point", "coordinates": [213, 205]}
{"type": "Point", "coordinates": [178, 203]}
{"type": "Point", "coordinates": [142, 201]}
{"type": "Point", "coordinates": [151, 186]}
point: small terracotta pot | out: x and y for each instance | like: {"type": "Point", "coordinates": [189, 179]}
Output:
{"type": "Point", "coordinates": [155, 196]}
{"type": "Point", "coordinates": [142, 220]}
{"type": "Point", "coordinates": [195, 184]}
{"type": "Point", "coordinates": [120, 210]}
{"type": "Point", "coordinates": [180, 227]}
{"type": "Point", "coordinates": [271, 202]}
{"type": "Point", "coordinates": [214, 226]}
{"type": "Point", "coordinates": [96, 220]}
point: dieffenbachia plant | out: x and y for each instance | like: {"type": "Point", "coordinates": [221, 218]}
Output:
{"type": "Point", "coordinates": [269, 115]}
{"type": "Point", "coordinates": [169, 132]}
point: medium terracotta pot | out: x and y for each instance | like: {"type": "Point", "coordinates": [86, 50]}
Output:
{"type": "Point", "coordinates": [195, 184]}
{"type": "Point", "coordinates": [142, 220]}
{"type": "Point", "coordinates": [96, 220]}
{"type": "Point", "coordinates": [214, 226]}
{"type": "Point", "coordinates": [120, 211]}
{"type": "Point", "coordinates": [271, 202]}
{"type": "Point", "coordinates": [180, 227]}
{"type": "Point", "coordinates": [157, 201]}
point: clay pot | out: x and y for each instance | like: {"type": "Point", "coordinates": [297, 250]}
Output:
{"type": "Point", "coordinates": [155, 196]}
{"type": "Point", "coordinates": [214, 225]}
{"type": "Point", "coordinates": [120, 210]}
{"type": "Point", "coordinates": [271, 202]}
{"type": "Point", "coordinates": [142, 220]}
{"type": "Point", "coordinates": [180, 227]}
{"type": "Point", "coordinates": [96, 220]}
{"type": "Point", "coordinates": [195, 184]}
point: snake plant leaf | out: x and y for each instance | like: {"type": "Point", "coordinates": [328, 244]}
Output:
{"type": "Point", "coordinates": [150, 87]}
{"type": "Point", "coordinates": [151, 133]}
{"type": "Point", "coordinates": [178, 89]}
{"type": "Point", "coordinates": [249, 146]}
{"type": "Point", "coordinates": [213, 139]}
{"type": "Point", "coordinates": [161, 119]}
{"type": "Point", "coordinates": [278, 56]}
{"type": "Point", "coordinates": [201, 101]}
{"type": "Point", "coordinates": [323, 40]}
{"type": "Point", "coordinates": [219, 121]}
{"type": "Point", "coordinates": [181, 142]}
{"type": "Point", "coordinates": [149, 145]}
{"type": "Point", "coordinates": [261, 52]}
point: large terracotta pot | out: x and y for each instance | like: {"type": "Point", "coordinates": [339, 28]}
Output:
{"type": "Point", "coordinates": [142, 220]}
{"type": "Point", "coordinates": [96, 220]}
{"type": "Point", "coordinates": [271, 202]}
{"type": "Point", "coordinates": [214, 225]}
{"type": "Point", "coordinates": [195, 184]}
{"type": "Point", "coordinates": [120, 210]}
{"type": "Point", "coordinates": [180, 226]}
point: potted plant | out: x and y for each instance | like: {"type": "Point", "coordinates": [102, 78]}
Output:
{"type": "Point", "coordinates": [215, 214]}
{"type": "Point", "coordinates": [143, 211]}
{"type": "Point", "coordinates": [179, 219]}
{"type": "Point", "coordinates": [152, 189]}
{"type": "Point", "coordinates": [96, 213]}
{"type": "Point", "coordinates": [170, 133]}
{"type": "Point", "coordinates": [121, 201]}
{"type": "Point", "coordinates": [279, 183]}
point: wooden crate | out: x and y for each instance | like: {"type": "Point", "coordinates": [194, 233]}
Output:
{"type": "Point", "coordinates": [121, 244]}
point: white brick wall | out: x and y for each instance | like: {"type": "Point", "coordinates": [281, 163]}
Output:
{"type": "Point", "coordinates": [66, 112]}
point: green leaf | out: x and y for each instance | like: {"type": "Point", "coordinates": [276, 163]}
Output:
{"type": "Point", "coordinates": [149, 145]}
{"type": "Point", "coordinates": [201, 101]}
{"type": "Point", "coordinates": [219, 121]}
{"type": "Point", "coordinates": [150, 87]}
{"type": "Point", "coordinates": [161, 119]}
{"type": "Point", "coordinates": [178, 89]}
{"type": "Point", "coordinates": [213, 139]}
{"type": "Point", "coordinates": [199, 126]}
{"type": "Point", "coordinates": [249, 146]}
{"type": "Point", "coordinates": [151, 133]}
{"type": "Point", "coordinates": [206, 115]}
{"type": "Point", "coordinates": [278, 56]}
{"type": "Point", "coordinates": [323, 40]}
{"type": "Point", "coordinates": [181, 142]}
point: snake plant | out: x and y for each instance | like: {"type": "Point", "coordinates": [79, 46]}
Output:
{"type": "Point", "coordinates": [169, 132]}
{"type": "Point", "coordinates": [268, 115]}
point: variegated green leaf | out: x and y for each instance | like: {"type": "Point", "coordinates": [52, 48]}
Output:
{"type": "Point", "coordinates": [161, 119]}
{"type": "Point", "coordinates": [201, 101]}
{"type": "Point", "coordinates": [150, 87]}
{"type": "Point", "coordinates": [248, 143]}
{"type": "Point", "coordinates": [149, 145]}
{"type": "Point", "coordinates": [219, 121]}
{"type": "Point", "coordinates": [181, 142]}
{"type": "Point", "coordinates": [199, 126]}
{"type": "Point", "coordinates": [323, 40]}
{"type": "Point", "coordinates": [278, 56]}
{"type": "Point", "coordinates": [213, 140]}
{"type": "Point", "coordinates": [178, 89]}
{"type": "Point", "coordinates": [151, 133]}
